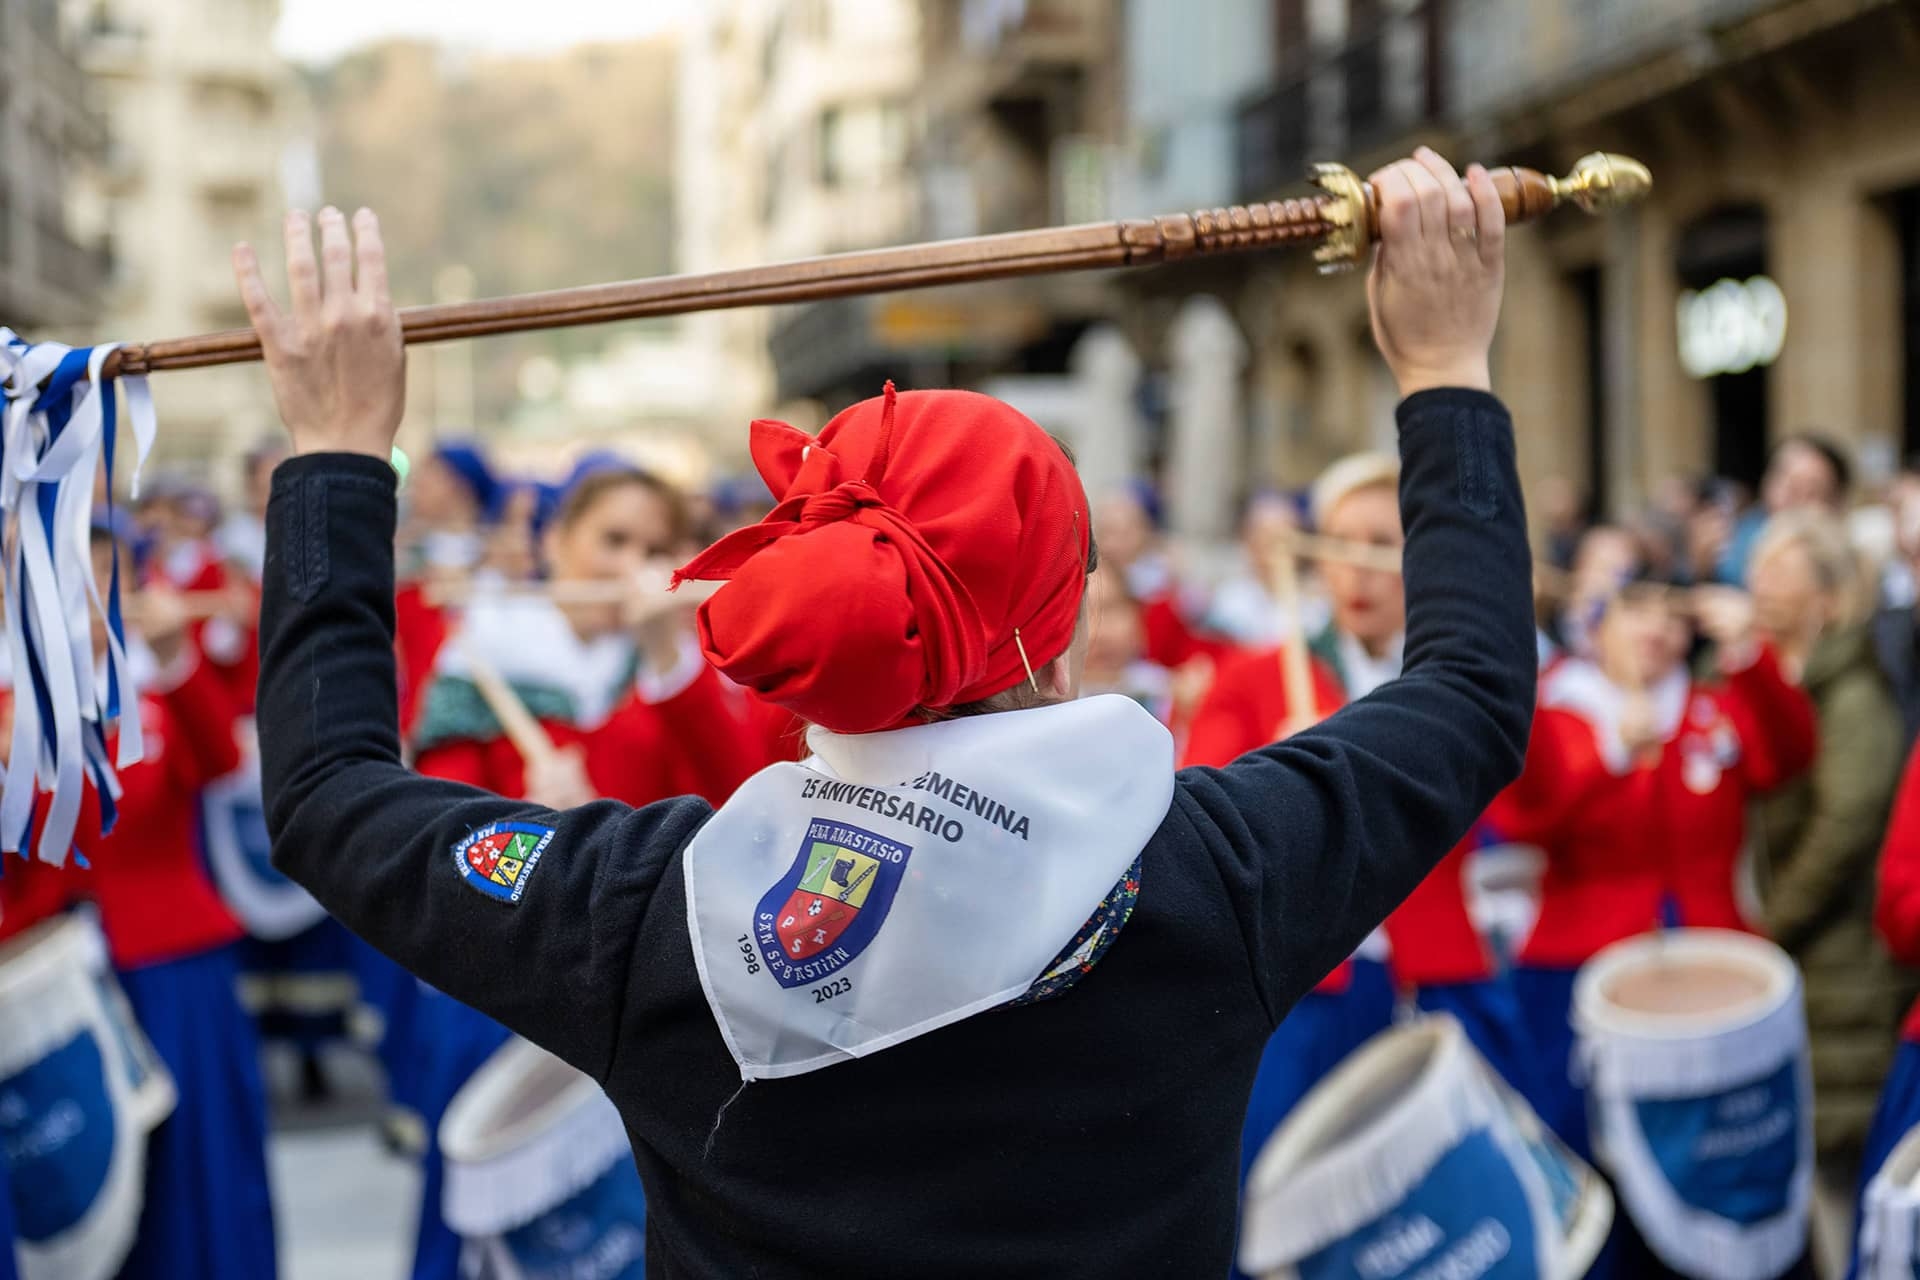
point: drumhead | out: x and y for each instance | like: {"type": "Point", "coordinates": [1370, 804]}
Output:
{"type": "Point", "coordinates": [1683, 984]}
{"type": "Point", "coordinates": [42, 954]}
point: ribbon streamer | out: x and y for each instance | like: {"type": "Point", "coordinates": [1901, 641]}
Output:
{"type": "Point", "coordinates": [61, 414]}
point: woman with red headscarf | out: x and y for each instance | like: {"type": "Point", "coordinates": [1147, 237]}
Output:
{"type": "Point", "coordinates": [998, 978]}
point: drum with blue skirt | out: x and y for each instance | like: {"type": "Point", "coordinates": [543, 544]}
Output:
{"type": "Point", "coordinates": [1700, 1097]}
{"type": "Point", "coordinates": [80, 1090]}
{"type": "Point", "coordinates": [540, 1179]}
{"type": "Point", "coordinates": [1415, 1158]}
{"type": "Point", "coordinates": [268, 906]}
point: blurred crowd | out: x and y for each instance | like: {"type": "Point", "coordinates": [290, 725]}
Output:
{"type": "Point", "coordinates": [1730, 684]}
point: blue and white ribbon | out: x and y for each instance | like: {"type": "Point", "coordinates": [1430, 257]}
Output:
{"type": "Point", "coordinates": [58, 429]}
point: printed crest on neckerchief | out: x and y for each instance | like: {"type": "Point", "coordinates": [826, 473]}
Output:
{"type": "Point", "coordinates": [499, 858]}
{"type": "Point", "coordinates": [820, 915]}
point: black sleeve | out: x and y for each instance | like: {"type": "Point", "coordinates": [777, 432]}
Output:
{"type": "Point", "coordinates": [543, 942]}
{"type": "Point", "coordinates": [1321, 836]}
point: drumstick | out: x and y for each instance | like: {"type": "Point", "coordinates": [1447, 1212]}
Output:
{"type": "Point", "coordinates": [1339, 222]}
{"type": "Point", "coordinates": [646, 600]}
{"type": "Point", "coordinates": [1318, 547]}
{"type": "Point", "coordinates": [528, 738]}
{"type": "Point", "coordinates": [1295, 672]}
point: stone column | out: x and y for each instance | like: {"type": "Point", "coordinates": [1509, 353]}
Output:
{"type": "Point", "coordinates": [1209, 358]}
{"type": "Point", "coordinates": [1106, 433]}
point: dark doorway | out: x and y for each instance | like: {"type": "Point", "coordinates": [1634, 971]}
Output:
{"type": "Point", "coordinates": [1730, 243]}
{"type": "Point", "coordinates": [1906, 221]}
{"type": "Point", "coordinates": [1586, 285]}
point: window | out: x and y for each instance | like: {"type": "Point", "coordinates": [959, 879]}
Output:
{"type": "Point", "coordinates": [860, 145]}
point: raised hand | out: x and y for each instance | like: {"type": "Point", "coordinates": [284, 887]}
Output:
{"type": "Point", "coordinates": [560, 781]}
{"type": "Point", "coordinates": [1434, 290]}
{"type": "Point", "coordinates": [334, 354]}
{"type": "Point", "coordinates": [1726, 617]}
{"type": "Point", "coordinates": [163, 621]}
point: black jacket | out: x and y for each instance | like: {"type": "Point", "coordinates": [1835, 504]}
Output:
{"type": "Point", "coordinates": [1095, 1134]}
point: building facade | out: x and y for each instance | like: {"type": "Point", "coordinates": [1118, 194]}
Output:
{"type": "Point", "coordinates": [52, 269]}
{"type": "Point", "coordinates": [1768, 284]}
{"type": "Point", "coordinates": [200, 115]}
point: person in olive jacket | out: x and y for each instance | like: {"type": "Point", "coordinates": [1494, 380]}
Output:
{"type": "Point", "coordinates": [1818, 838]}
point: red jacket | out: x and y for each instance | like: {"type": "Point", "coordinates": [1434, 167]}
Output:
{"type": "Point", "coordinates": [1431, 934]}
{"type": "Point", "coordinates": [156, 902]}
{"type": "Point", "coordinates": [420, 629]}
{"type": "Point", "coordinates": [690, 744]}
{"type": "Point", "coordinates": [1624, 839]}
{"type": "Point", "coordinates": [232, 650]}
{"type": "Point", "coordinates": [1897, 912]}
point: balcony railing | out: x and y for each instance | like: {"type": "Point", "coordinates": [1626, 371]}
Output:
{"type": "Point", "coordinates": [1340, 100]}
{"type": "Point", "coordinates": [1502, 54]}
{"type": "Point", "coordinates": [1272, 139]}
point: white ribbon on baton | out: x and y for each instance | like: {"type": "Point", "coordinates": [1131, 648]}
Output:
{"type": "Point", "coordinates": [52, 440]}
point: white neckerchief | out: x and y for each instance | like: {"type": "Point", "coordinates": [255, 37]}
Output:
{"type": "Point", "coordinates": [1364, 673]}
{"type": "Point", "coordinates": [1578, 685]}
{"type": "Point", "coordinates": [923, 875]}
{"type": "Point", "coordinates": [530, 642]}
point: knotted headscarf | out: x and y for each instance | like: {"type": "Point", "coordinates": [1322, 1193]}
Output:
{"type": "Point", "coordinates": [919, 545]}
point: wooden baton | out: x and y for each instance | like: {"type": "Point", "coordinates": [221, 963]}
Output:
{"type": "Point", "coordinates": [1338, 222]}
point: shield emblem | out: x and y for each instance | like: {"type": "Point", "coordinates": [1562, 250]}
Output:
{"type": "Point", "coordinates": [831, 902]}
{"type": "Point", "coordinates": [499, 858]}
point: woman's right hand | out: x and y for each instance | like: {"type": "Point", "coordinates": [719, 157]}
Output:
{"type": "Point", "coordinates": [560, 781]}
{"type": "Point", "coordinates": [1437, 276]}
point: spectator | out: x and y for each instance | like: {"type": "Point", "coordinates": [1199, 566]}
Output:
{"type": "Point", "coordinates": [1117, 660]}
{"type": "Point", "coordinates": [1126, 526]}
{"type": "Point", "coordinates": [1819, 836]}
{"type": "Point", "coordinates": [1606, 558]}
{"type": "Point", "coordinates": [1804, 471]}
{"type": "Point", "coordinates": [1244, 609]}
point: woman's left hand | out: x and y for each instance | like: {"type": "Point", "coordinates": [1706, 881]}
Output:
{"type": "Point", "coordinates": [334, 355]}
{"type": "Point", "coordinates": [656, 620]}
{"type": "Point", "coordinates": [163, 622]}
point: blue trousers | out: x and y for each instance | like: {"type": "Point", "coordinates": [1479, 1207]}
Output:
{"type": "Point", "coordinates": [1546, 1005]}
{"type": "Point", "coordinates": [323, 953]}
{"type": "Point", "coordinates": [9, 1268]}
{"type": "Point", "coordinates": [208, 1211]}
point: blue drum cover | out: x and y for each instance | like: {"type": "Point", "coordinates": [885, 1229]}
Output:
{"type": "Point", "coordinates": [1732, 1154]}
{"type": "Point", "coordinates": [599, 1234]}
{"type": "Point", "coordinates": [57, 1134]}
{"type": "Point", "coordinates": [1437, 1231]}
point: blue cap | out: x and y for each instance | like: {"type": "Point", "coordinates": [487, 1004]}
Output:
{"type": "Point", "coordinates": [469, 465]}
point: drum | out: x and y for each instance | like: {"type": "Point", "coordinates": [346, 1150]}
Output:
{"type": "Point", "coordinates": [1414, 1158]}
{"type": "Point", "coordinates": [1694, 1045]}
{"type": "Point", "coordinates": [540, 1177]}
{"type": "Point", "coordinates": [80, 1089]}
{"type": "Point", "coordinates": [1890, 1216]}
{"type": "Point", "coordinates": [267, 904]}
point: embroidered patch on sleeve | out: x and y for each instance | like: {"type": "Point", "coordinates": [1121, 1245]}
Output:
{"type": "Point", "coordinates": [499, 858]}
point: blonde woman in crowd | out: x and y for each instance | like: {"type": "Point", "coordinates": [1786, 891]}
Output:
{"type": "Point", "coordinates": [1817, 839]}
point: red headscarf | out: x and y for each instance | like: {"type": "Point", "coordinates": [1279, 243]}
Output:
{"type": "Point", "coordinates": [919, 543]}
